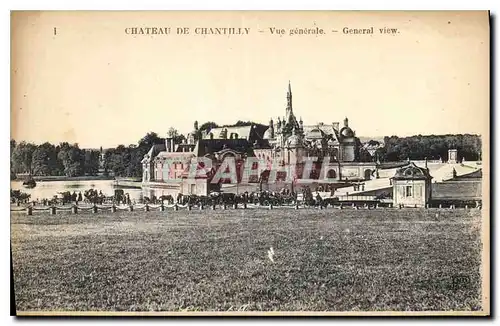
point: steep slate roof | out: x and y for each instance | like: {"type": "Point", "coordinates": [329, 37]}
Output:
{"type": "Point", "coordinates": [250, 133]}
{"type": "Point", "coordinates": [155, 149]}
{"type": "Point", "coordinates": [243, 132]}
{"type": "Point", "coordinates": [457, 190]}
{"type": "Point", "coordinates": [208, 146]}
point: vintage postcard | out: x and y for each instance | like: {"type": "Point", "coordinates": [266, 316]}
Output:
{"type": "Point", "coordinates": [250, 163]}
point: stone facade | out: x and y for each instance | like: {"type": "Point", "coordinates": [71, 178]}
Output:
{"type": "Point", "coordinates": [412, 186]}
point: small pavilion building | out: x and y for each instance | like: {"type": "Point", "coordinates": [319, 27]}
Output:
{"type": "Point", "coordinates": [411, 186]}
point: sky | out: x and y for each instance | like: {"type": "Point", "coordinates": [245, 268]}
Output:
{"type": "Point", "coordinates": [95, 85]}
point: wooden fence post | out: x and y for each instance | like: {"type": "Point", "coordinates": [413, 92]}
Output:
{"type": "Point", "coordinates": [52, 210]}
{"type": "Point", "coordinates": [74, 209]}
{"type": "Point", "coordinates": [29, 210]}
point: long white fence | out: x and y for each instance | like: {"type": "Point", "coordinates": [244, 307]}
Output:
{"type": "Point", "coordinates": [75, 209]}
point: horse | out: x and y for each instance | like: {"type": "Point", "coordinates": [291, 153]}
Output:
{"type": "Point", "coordinates": [167, 198]}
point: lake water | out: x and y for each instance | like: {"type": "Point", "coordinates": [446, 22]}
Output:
{"type": "Point", "coordinates": [48, 189]}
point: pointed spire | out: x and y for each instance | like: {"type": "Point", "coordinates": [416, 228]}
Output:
{"type": "Point", "coordinates": [289, 97]}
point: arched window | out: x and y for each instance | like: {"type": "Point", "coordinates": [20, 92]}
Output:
{"type": "Point", "coordinates": [368, 174]}
{"type": "Point", "coordinates": [331, 174]}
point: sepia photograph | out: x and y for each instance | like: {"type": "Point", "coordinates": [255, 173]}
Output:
{"type": "Point", "coordinates": [254, 163]}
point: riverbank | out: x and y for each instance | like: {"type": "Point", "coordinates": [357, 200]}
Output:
{"type": "Point", "coordinates": [65, 178]}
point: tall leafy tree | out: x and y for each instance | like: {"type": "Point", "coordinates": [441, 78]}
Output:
{"type": "Point", "coordinates": [22, 157]}
{"type": "Point", "coordinates": [72, 158]}
{"type": "Point", "coordinates": [44, 161]}
{"type": "Point", "coordinates": [91, 162]}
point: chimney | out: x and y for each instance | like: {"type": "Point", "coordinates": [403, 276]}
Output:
{"type": "Point", "coordinates": [168, 144]}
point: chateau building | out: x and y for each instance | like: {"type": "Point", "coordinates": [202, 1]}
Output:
{"type": "Point", "coordinates": [290, 141]}
{"type": "Point", "coordinates": [286, 141]}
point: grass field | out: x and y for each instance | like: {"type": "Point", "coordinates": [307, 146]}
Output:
{"type": "Point", "coordinates": [335, 260]}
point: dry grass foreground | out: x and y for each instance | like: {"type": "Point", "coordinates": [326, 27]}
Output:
{"type": "Point", "coordinates": [324, 260]}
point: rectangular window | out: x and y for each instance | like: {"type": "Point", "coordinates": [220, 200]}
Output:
{"type": "Point", "coordinates": [408, 191]}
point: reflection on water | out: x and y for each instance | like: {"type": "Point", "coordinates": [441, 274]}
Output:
{"type": "Point", "coordinates": [48, 189]}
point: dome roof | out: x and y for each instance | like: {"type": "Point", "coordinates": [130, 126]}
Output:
{"type": "Point", "coordinates": [347, 132]}
{"type": "Point", "coordinates": [412, 172]}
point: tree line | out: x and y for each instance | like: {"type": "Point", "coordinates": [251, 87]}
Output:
{"type": "Point", "coordinates": [432, 147]}
{"type": "Point", "coordinates": [52, 160]}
